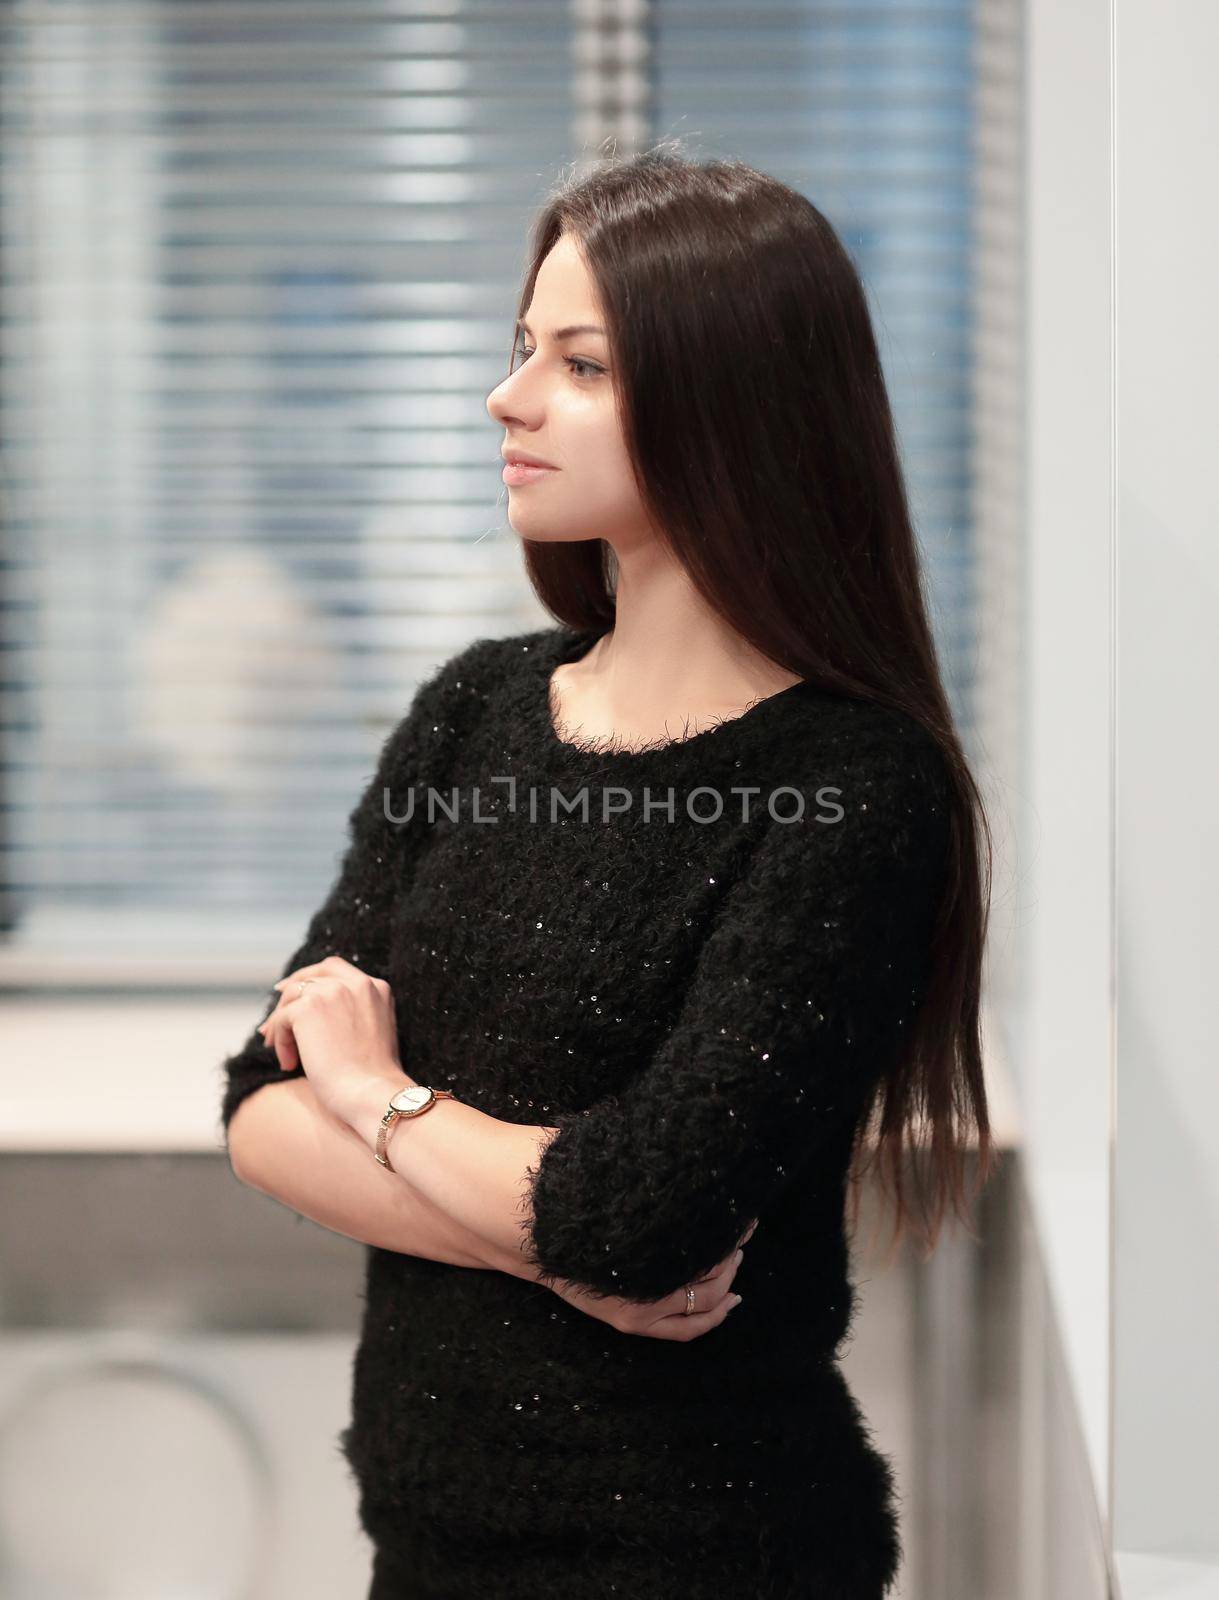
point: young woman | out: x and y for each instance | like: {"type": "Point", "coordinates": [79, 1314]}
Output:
{"type": "Point", "coordinates": [651, 925]}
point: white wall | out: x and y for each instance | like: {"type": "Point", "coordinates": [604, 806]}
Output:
{"type": "Point", "coordinates": [1166, 1322]}
{"type": "Point", "coordinates": [1113, 1040]}
{"type": "Point", "coordinates": [1064, 1028]}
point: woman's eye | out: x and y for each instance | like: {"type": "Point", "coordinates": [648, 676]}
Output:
{"type": "Point", "coordinates": [573, 362]}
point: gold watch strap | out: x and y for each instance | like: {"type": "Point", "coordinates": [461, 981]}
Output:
{"type": "Point", "coordinates": [391, 1116]}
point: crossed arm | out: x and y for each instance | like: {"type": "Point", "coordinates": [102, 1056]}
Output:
{"type": "Point", "coordinates": [803, 994]}
{"type": "Point", "coordinates": [786, 1024]}
{"type": "Point", "coordinates": [286, 1144]}
{"type": "Point", "coordinates": [320, 1168]}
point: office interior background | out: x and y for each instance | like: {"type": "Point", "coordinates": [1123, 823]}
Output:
{"type": "Point", "coordinates": [258, 267]}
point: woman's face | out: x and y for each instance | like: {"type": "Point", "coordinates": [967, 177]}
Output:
{"type": "Point", "coordinates": [559, 406]}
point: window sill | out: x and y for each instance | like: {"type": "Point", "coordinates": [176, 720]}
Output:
{"type": "Point", "coordinates": [118, 1073]}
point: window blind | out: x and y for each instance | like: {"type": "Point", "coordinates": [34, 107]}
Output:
{"type": "Point", "coordinates": [999, 406]}
{"type": "Point", "coordinates": [259, 267]}
{"type": "Point", "coordinates": [260, 264]}
{"type": "Point", "coordinates": [998, 384]}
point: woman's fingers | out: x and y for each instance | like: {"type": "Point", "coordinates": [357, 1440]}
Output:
{"type": "Point", "coordinates": [745, 1238]}
{"type": "Point", "coordinates": [707, 1291]}
{"type": "Point", "coordinates": [280, 1040]}
{"type": "Point", "coordinates": [277, 1029]}
{"type": "Point", "coordinates": [346, 1014]}
{"type": "Point", "coordinates": [683, 1327]}
{"type": "Point", "coordinates": [669, 1317]}
{"type": "Point", "coordinates": [728, 1259]}
{"type": "Point", "coordinates": [713, 1300]}
{"type": "Point", "coordinates": [285, 1049]}
{"type": "Point", "coordinates": [327, 967]}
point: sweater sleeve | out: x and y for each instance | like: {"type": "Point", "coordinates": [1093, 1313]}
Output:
{"type": "Point", "coordinates": [800, 1000]}
{"type": "Point", "coordinates": [353, 920]}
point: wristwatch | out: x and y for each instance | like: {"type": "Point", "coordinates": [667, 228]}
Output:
{"type": "Point", "coordinates": [412, 1101]}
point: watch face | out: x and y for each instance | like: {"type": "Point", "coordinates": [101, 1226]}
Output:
{"type": "Point", "coordinates": [413, 1098]}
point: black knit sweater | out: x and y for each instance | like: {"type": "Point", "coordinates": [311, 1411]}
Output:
{"type": "Point", "coordinates": [699, 994]}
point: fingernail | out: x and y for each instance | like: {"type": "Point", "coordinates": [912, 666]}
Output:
{"type": "Point", "coordinates": [736, 1300]}
{"type": "Point", "coordinates": [740, 1256]}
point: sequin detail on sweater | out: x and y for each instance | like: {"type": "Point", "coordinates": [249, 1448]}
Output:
{"type": "Point", "coordinates": [701, 1004]}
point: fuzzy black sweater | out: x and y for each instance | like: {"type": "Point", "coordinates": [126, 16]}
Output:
{"type": "Point", "coordinates": [700, 995]}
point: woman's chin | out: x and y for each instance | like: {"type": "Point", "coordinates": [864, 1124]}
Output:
{"type": "Point", "coordinates": [542, 531]}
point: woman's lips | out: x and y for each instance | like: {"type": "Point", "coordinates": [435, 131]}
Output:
{"type": "Point", "coordinates": [516, 473]}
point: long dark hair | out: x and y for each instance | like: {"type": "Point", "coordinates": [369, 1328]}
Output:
{"type": "Point", "coordinates": [740, 334]}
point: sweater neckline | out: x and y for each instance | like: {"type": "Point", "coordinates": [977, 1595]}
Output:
{"type": "Point", "coordinates": [567, 645]}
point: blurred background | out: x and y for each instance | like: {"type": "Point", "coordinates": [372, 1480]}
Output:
{"type": "Point", "coordinates": [258, 268]}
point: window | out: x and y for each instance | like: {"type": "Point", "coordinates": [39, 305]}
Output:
{"type": "Point", "coordinates": [259, 268]}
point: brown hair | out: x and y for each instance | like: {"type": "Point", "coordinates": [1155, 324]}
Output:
{"type": "Point", "coordinates": [740, 333]}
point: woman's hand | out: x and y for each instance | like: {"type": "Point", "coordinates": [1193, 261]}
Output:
{"type": "Point", "coordinates": [667, 1318]}
{"type": "Point", "coordinates": [340, 1028]}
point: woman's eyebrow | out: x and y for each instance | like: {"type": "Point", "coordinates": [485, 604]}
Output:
{"type": "Point", "coordinates": [565, 333]}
